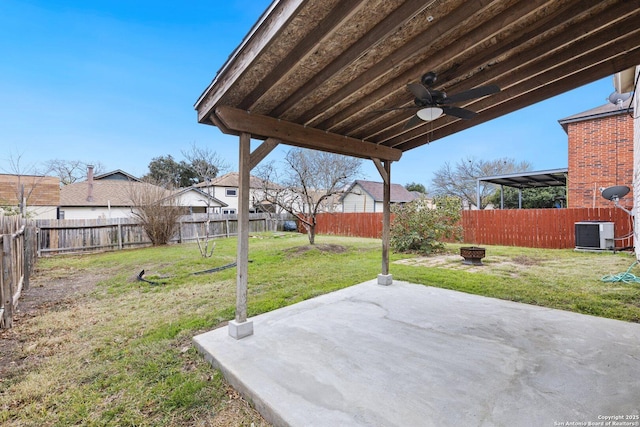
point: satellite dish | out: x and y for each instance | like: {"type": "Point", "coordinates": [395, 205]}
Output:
{"type": "Point", "coordinates": [618, 98]}
{"type": "Point", "coordinates": [616, 192]}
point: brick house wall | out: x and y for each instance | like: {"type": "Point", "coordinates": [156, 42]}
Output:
{"type": "Point", "coordinates": [600, 155]}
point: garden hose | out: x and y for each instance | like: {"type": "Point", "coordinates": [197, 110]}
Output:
{"type": "Point", "coordinates": [625, 277]}
{"type": "Point", "coordinates": [211, 270]}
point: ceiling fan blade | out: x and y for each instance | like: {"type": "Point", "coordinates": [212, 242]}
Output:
{"type": "Point", "coordinates": [472, 93]}
{"type": "Point", "coordinates": [412, 122]}
{"type": "Point", "coordinates": [461, 113]}
{"type": "Point", "coordinates": [420, 92]}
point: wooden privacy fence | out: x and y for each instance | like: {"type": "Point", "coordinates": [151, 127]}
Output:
{"type": "Point", "coordinates": [17, 241]}
{"type": "Point", "coordinates": [350, 224]}
{"type": "Point", "coordinates": [73, 236]}
{"type": "Point", "coordinates": [540, 228]}
{"type": "Point", "coordinates": [536, 228]}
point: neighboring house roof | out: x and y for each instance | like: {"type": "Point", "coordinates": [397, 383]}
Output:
{"type": "Point", "coordinates": [232, 179]}
{"type": "Point", "coordinates": [117, 174]}
{"type": "Point", "coordinates": [399, 194]}
{"type": "Point", "coordinates": [182, 191]}
{"type": "Point", "coordinates": [605, 110]}
{"type": "Point", "coordinates": [104, 192]}
{"type": "Point", "coordinates": [40, 190]}
{"type": "Point", "coordinates": [117, 192]}
{"type": "Point", "coordinates": [418, 194]}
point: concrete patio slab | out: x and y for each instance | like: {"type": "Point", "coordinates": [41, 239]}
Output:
{"type": "Point", "coordinates": [411, 355]}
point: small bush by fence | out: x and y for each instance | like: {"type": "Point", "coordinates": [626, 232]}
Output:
{"type": "Point", "coordinates": [17, 258]}
{"type": "Point", "coordinates": [74, 236]}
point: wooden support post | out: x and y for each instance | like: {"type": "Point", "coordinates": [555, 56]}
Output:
{"type": "Point", "coordinates": [241, 328]}
{"type": "Point", "coordinates": [384, 168]}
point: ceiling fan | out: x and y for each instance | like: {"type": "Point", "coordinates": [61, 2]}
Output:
{"type": "Point", "coordinates": [432, 103]}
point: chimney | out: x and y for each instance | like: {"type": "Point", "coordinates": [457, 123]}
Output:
{"type": "Point", "coordinates": [89, 183]}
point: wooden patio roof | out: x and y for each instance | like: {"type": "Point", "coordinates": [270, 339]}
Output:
{"type": "Point", "coordinates": [316, 73]}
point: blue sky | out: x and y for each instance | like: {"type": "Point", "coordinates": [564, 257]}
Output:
{"type": "Point", "coordinates": [115, 81]}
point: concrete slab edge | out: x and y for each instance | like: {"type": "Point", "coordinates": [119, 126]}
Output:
{"type": "Point", "coordinates": [268, 413]}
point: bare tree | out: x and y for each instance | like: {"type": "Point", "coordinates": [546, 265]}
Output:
{"type": "Point", "coordinates": [70, 171]}
{"type": "Point", "coordinates": [206, 165]}
{"type": "Point", "coordinates": [157, 209]}
{"type": "Point", "coordinates": [460, 179]}
{"type": "Point", "coordinates": [310, 183]}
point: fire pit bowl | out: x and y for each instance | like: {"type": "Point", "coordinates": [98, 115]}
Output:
{"type": "Point", "coordinates": [472, 255]}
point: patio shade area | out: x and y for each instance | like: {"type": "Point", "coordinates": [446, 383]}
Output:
{"type": "Point", "coordinates": [537, 179]}
{"type": "Point", "coordinates": [330, 74]}
{"type": "Point", "coordinates": [522, 180]}
{"type": "Point", "coordinates": [346, 76]}
{"type": "Point", "coordinates": [411, 355]}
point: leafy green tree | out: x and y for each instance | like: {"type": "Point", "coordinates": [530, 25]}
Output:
{"type": "Point", "coordinates": [419, 227]}
{"type": "Point", "coordinates": [414, 186]}
{"type": "Point", "coordinates": [167, 172]}
{"type": "Point", "coordinates": [532, 198]}
{"type": "Point", "coordinates": [201, 165]}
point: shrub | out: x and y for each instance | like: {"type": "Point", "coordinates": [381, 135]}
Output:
{"type": "Point", "coordinates": [421, 225]}
{"type": "Point", "coordinates": [158, 210]}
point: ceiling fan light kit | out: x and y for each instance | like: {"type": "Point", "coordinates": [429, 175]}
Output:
{"type": "Point", "coordinates": [429, 113]}
{"type": "Point", "coordinates": [431, 103]}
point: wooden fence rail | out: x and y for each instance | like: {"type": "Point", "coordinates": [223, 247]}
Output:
{"type": "Point", "coordinates": [74, 236]}
{"type": "Point", "coordinates": [17, 249]}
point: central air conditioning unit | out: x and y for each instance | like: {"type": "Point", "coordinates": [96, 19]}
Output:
{"type": "Point", "coordinates": [594, 235]}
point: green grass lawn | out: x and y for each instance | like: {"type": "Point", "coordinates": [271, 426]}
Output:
{"type": "Point", "coordinates": [122, 354]}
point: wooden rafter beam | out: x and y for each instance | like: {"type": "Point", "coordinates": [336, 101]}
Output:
{"type": "Point", "coordinates": [421, 43]}
{"type": "Point", "coordinates": [544, 63]}
{"type": "Point", "coordinates": [505, 70]}
{"type": "Point", "coordinates": [374, 37]}
{"type": "Point", "coordinates": [583, 76]}
{"type": "Point", "coordinates": [236, 120]}
{"type": "Point", "coordinates": [341, 12]}
{"type": "Point", "coordinates": [278, 17]}
{"type": "Point", "coordinates": [546, 81]}
{"type": "Point", "coordinates": [445, 55]}
{"type": "Point", "coordinates": [262, 151]}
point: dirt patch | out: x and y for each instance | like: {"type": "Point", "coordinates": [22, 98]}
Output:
{"type": "Point", "coordinates": [497, 265]}
{"type": "Point", "coordinates": [526, 260]}
{"type": "Point", "coordinates": [323, 248]}
{"type": "Point", "coordinates": [69, 289]}
{"type": "Point", "coordinates": [58, 292]}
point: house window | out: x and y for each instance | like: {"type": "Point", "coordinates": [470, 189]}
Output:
{"type": "Point", "coordinates": [228, 211]}
{"type": "Point", "coordinates": [231, 192]}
